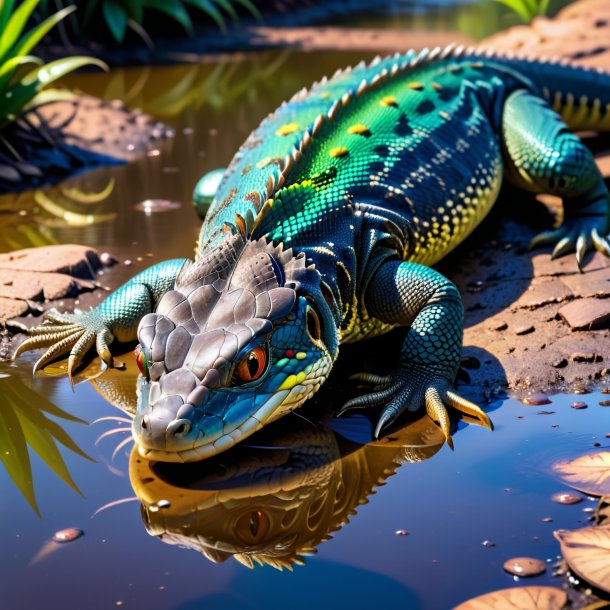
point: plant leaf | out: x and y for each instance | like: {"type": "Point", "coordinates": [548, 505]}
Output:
{"type": "Point", "coordinates": [228, 8]}
{"type": "Point", "coordinates": [116, 19]}
{"type": "Point", "coordinates": [518, 7]}
{"type": "Point", "coordinates": [588, 473]}
{"type": "Point", "coordinates": [8, 68]}
{"type": "Point", "coordinates": [587, 552]}
{"type": "Point", "coordinates": [15, 26]}
{"type": "Point", "coordinates": [249, 6]}
{"type": "Point", "coordinates": [14, 451]}
{"type": "Point", "coordinates": [518, 598]}
{"type": "Point", "coordinates": [210, 9]}
{"type": "Point", "coordinates": [6, 8]}
{"type": "Point", "coordinates": [36, 34]}
{"type": "Point", "coordinates": [174, 9]}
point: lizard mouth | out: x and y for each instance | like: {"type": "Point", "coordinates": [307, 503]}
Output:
{"type": "Point", "coordinates": [203, 447]}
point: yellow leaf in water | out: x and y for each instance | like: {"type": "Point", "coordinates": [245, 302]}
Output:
{"type": "Point", "coordinates": [589, 473]}
{"type": "Point", "coordinates": [587, 552]}
{"type": "Point", "coordinates": [519, 598]}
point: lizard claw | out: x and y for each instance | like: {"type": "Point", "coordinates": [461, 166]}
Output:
{"type": "Point", "coordinates": [72, 334]}
{"type": "Point", "coordinates": [577, 235]}
{"type": "Point", "coordinates": [409, 391]}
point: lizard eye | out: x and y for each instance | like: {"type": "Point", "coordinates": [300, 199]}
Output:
{"type": "Point", "coordinates": [251, 366]}
{"type": "Point", "coordinates": [142, 362]}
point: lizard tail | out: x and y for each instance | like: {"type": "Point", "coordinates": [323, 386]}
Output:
{"type": "Point", "coordinates": [581, 95]}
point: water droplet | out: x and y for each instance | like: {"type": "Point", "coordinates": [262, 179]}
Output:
{"type": "Point", "coordinates": [547, 519]}
{"type": "Point", "coordinates": [162, 504]}
{"type": "Point", "coordinates": [604, 403]}
{"type": "Point", "coordinates": [67, 535]}
{"type": "Point", "coordinates": [488, 543]}
{"type": "Point", "coordinates": [579, 390]}
{"type": "Point", "coordinates": [566, 497]}
{"type": "Point", "coordinates": [107, 259]}
{"type": "Point", "coordinates": [127, 262]}
{"type": "Point", "coordinates": [536, 399]}
{"type": "Point", "coordinates": [524, 566]}
{"type": "Point", "coordinates": [402, 533]}
{"type": "Point", "coordinates": [154, 206]}
{"type": "Point", "coordinates": [579, 405]}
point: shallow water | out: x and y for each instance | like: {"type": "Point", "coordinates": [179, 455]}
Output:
{"type": "Point", "coordinates": [494, 486]}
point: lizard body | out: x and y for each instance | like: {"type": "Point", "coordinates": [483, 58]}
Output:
{"type": "Point", "coordinates": [323, 230]}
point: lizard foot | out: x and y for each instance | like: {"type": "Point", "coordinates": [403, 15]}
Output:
{"type": "Point", "coordinates": [578, 235]}
{"type": "Point", "coordinates": [64, 333]}
{"type": "Point", "coordinates": [409, 390]}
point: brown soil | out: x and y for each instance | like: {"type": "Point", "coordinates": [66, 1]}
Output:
{"type": "Point", "coordinates": [58, 139]}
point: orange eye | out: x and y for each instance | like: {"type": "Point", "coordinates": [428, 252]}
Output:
{"type": "Point", "coordinates": [142, 362]}
{"type": "Point", "coordinates": [252, 366]}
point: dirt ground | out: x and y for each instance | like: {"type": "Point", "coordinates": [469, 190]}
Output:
{"type": "Point", "coordinates": [531, 323]}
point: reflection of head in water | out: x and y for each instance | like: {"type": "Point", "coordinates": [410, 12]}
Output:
{"type": "Point", "coordinates": [272, 505]}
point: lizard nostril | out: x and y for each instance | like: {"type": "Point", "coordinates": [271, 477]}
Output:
{"type": "Point", "coordinates": [145, 422]}
{"type": "Point", "coordinates": [178, 427]}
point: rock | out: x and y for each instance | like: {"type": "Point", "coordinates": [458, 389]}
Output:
{"type": "Point", "coordinates": [559, 364]}
{"type": "Point", "coordinates": [524, 330]}
{"type": "Point", "coordinates": [577, 357]}
{"type": "Point", "coordinates": [32, 275]}
{"type": "Point", "coordinates": [586, 313]}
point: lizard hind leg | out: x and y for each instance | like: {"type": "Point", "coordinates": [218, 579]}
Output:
{"type": "Point", "coordinates": [542, 156]}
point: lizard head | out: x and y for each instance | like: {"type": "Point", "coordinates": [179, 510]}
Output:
{"type": "Point", "coordinates": [244, 337]}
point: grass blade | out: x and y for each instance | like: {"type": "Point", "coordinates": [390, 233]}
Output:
{"type": "Point", "coordinates": [15, 26]}
{"type": "Point", "coordinates": [175, 10]}
{"type": "Point", "coordinates": [36, 34]}
{"type": "Point", "coordinates": [116, 19]}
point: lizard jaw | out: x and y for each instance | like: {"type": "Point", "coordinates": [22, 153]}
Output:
{"type": "Point", "coordinates": [268, 412]}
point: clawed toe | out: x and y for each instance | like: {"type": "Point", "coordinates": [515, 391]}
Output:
{"type": "Point", "coordinates": [577, 236]}
{"type": "Point", "coordinates": [403, 391]}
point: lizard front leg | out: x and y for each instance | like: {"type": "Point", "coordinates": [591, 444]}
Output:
{"type": "Point", "coordinates": [412, 295]}
{"type": "Point", "coordinates": [116, 317]}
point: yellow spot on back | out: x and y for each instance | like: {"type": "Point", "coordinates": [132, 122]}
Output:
{"type": "Point", "coordinates": [359, 129]}
{"type": "Point", "coordinates": [340, 151]}
{"type": "Point", "coordinates": [301, 355]}
{"type": "Point", "coordinates": [388, 100]}
{"type": "Point", "coordinates": [415, 85]}
{"type": "Point", "coordinates": [287, 129]}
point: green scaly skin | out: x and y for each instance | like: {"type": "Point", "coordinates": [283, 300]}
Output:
{"type": "Point", "coordinates": [323, 230]}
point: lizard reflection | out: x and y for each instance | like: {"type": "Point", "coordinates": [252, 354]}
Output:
{"type": "Point", "coordinates": [272, 505]}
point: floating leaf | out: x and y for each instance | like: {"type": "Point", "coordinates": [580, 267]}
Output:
{"type": "Point", "coordinates": [520, 598]}
{"type": "Point", "coordinates": [589, 473]}
{"type": "Point", "coordinates": [587, 552]}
